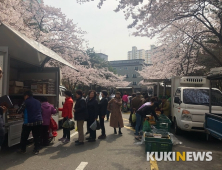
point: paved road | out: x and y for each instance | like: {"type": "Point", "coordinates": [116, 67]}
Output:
{"type": "Point", "coordinates": [115, 152]}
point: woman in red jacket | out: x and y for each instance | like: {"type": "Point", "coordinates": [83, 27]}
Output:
{"type": "Point", "coordinates": [66, 114]}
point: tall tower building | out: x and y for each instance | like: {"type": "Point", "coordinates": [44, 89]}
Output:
{"type": "Point", "coordinates": [141, 54]}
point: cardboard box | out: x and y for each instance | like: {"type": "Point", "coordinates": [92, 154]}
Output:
{"type": "Point", "coordinates": [15, 90]}
{"type": "Point", "coordinates": [16, 83]}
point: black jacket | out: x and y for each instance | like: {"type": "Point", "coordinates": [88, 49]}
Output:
{"type": "Point", "coordinates": [92, 109]}
{"type": "Point", "coordinates": [80, 109]}
{"type": "Point", "coordinates": [2, 125]}
{"type": "Point", "coordinates": [147, 110]}
{"type": "Point", "coordinates": [103, 106]}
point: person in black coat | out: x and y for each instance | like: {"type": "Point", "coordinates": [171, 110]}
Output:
{"type": "Point", "coordinates": [92, 109]}
{"type": "Point", "coordinates": [102, 112]}
{"type": "Point", "coordinates": [80, 114]}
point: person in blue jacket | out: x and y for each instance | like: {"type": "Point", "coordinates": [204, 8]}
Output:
{"type": "Point", "coordinates": [31, 108]}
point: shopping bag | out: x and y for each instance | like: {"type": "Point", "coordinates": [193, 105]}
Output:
{"type": "Point", "coordinates": [97, 125]}
{"type": "Point", "coordinates": [93, 126]}
{"type": "Point", "coordinates": [146, 126]}
{"type": "Point", "coordinates": [69, 124]}
{"type": "Point", "coordinates": [133, 117]}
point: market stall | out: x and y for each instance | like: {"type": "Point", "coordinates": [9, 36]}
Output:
{"type": "Point", "coordinates": [22, 61]}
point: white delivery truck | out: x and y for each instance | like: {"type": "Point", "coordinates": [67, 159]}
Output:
{"type": "Point", "coordinates": [22, 61]}
{"type": "Point", "coordinates": [190, 102]}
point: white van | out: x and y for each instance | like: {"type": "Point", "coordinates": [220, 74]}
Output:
{"type": "Point", "coordinates": [190, 102]}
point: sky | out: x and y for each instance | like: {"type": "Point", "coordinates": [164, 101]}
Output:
{"type": "Point", "coordinates": [106, 30]}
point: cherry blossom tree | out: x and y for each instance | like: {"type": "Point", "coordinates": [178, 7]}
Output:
{"type": "Point", "coordinates": [49, 26]}
{"type": "Point", "coordinates": [186, 29]}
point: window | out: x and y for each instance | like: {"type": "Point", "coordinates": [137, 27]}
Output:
{"type": "Point", "coordinates": [136, 68]}
{"type": "Point", "coordinates": [134, 76]}
{"type": "Point", "coordinates": [134, 83]}
{"type": "Point", "coordinates": [120, 68]}
{"type": "Point", "coordinates": [201, 97]}
{"type": "Point", "coordinates": [127, 76]}
{"type": "Point", "coordinates": [126, 68]}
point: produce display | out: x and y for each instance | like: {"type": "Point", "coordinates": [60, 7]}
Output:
{"type": "Point", "coordinates": [44, 86]}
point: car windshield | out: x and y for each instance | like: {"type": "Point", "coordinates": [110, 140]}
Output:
{"type": "Point", "coordinates": [201, 97]}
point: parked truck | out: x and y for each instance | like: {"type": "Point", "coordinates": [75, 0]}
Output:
{"type": "Point", "coordinates": [22, 61]}
{"type": "Point", "coordinates": [213, 121]}
{"type": "Point", "coordinates": [190, 102]}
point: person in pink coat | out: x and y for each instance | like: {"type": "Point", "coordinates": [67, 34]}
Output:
{"type": "Point", "coordinates": [47, 111]}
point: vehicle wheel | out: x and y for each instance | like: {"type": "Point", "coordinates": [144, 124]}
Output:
{"type": "Point", "coordinates": [177, 130]}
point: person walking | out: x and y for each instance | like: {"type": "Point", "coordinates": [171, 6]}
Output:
{"type": "Point", "coordinates": [102, 112]}
{"type": "Point", "coordinates": [47, 111]}
{"type": "Point", "coordinates": [116, 119]}
{"type": "Point", "coordinates": [92, 109]}
{"type": "Point", "coordinates": [80, 115]}
{"type": "Point", "coordinates": [32, 122]}
{"type": "Point", "coordinates": [66, 114]}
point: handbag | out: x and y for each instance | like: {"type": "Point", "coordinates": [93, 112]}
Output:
{"type": "Point", "coordinates": [133, 117]}
{"type": "Point", "coordinates": [98, 127]}
{"type": "Point", "coordinates": [69, 124]}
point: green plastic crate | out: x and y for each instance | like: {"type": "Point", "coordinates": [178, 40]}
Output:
{"type": "Point", "coordinates": [163, 123]}
{"type": "Point", "coordinates": [158, 146]}
{"type": "Point", "coordinates": [160, 140]}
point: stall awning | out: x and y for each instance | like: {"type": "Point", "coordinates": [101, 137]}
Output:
{"type": "Point", "coordinates": [27, 50]}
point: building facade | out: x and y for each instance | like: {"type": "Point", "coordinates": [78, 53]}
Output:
{"type": "Point", "coordinates": [146, 55]}
{"type": "Point", "coordinates": [103, 56]}
{"type": "Point", "coordinates": [129, 69]}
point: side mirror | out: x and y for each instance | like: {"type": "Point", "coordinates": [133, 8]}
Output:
{"type": "Point", "coordinates": [177, 100]}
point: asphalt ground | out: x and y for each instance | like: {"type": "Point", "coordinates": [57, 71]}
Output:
{"type": "Point", "coordinates": [114, 152]}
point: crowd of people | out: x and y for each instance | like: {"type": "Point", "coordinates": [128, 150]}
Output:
{"type": "Point", "coordinates": [37, 115]}
{"type": "Point", "coordinates": [143, 105]}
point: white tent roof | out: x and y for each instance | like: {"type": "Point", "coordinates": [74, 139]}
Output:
{"type": "Point", "coordinates": [27, 50]}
